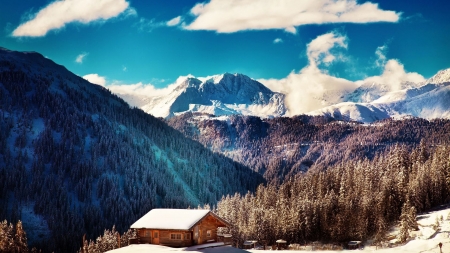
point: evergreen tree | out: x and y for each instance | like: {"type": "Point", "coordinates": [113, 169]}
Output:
{"type": "Point", "coordinates": [6, 237]}
{"type": "Point", "coordinates": [20, 238]}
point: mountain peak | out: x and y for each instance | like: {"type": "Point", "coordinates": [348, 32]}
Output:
{"type": "Point", "coordinates": [222, 94]}
{"type": "Point", "coordinates": [225, 76]}
{"type": "Point", "coordinates": [442, 76]}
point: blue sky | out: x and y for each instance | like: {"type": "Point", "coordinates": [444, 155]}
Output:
{"type": "Point", "coordinates": [154, 42]}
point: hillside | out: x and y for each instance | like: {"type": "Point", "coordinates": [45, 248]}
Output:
{"type": "Point", "coordinates": [281, 147]}
{"type": "Point", "coordinates": [76, 159]}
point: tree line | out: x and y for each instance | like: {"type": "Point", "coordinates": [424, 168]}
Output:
{"type": "Point", "coordinates": [352, 200]}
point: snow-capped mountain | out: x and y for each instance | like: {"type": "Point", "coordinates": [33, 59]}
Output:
{"type": "Point", "coordinates": [237, 94]}
{"type": "Point", "coordinates": [362, 112]}
{"type": "Point", "coordinates": [441, 77]}
{"type": "Point", "coordinates": [430, 100]}
{"type": "Point", "coordinates": [219, 95]}
{"type": "Point", "coordinates": [369, 92]}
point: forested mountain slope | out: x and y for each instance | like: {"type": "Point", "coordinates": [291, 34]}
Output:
{"type": "Point", "coordinates": [280, 148]}
{"type": "Point", "coordinates": [353, 200]}
{"type": "Point", "coordinates": [76, 159]}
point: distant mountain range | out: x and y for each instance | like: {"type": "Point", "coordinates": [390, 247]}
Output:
{"type": "Point", "coordinates": [237, 94]}
{"type": "Point", "coordinates": [225, 94]}
{"type": "Point", "coordinates": [427, 100]}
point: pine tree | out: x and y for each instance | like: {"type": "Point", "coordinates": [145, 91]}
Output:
{"type": "Point", "coordinates": [6, 237]}
{"type": "Point", "coordinates": [412, 218]}
{"type": "Point", "coordinates": [403, 234]}
{"type": "Point", "coordinates": [20, 238]}
{"type": "Point", "coordinates": [407, 221]}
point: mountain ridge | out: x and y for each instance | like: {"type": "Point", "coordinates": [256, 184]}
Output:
{"type": "Point", "coordinates": [428, 101]}
{"type": "Point", "coordinates": [238, 94]}
{"type": "Point", "coordinates": [224, 94]}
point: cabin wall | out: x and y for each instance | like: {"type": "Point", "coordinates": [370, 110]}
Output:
{"type": "Point", "coordinates": [144, 235]}
{"type": "Point", "coordinates": [164, 237]}
{"type": "Point", "coordinates": [167, 240]}
{"type": "Point", "coordinates": [208, 223]}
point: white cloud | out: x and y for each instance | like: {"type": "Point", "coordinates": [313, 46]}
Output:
{"type": "Point", "coordinates": [306, 90]}
{"type": "Point", "coordinates": [277, 40]}
{"type": "Point", "coordinates": [130, 12]}
{"type": "Point", "coordinates": [238, 15]}
{"type": "Point", "coordinates": [134, 94]}
{"type": "Point", "coordinates": [174, 21]}
{"type": "Point", "coordinates": [381, 56]}
{"type": "Point", "coordinates": [313, 88]}
{"type": "Point", "coordinates": [139, 89]}
{"type": "Point", "coordinates": [394, 75]}
{"type": "Point", "coordinates": [80, 58]}
{"type": "Point", "coordinates": [140, 93]}
{"type": "Point", "coordinates": [95, 78]}
{"type": "Point", "coordinates": [59, 13]}
{"type": "Point", "coordinates": [318, 50]}
{"type": "Point", "coordinates": [291, 29]}
{"type": "Point", "coordinates": [147, 25]}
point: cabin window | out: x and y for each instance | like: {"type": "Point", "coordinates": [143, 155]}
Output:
{"type": "Point", "coordinates": [208, 233]}
{"type": "Point", "coordinates": [187, 236]}
{"type": "Point", "coordinates": [147, 233]}
{"type": "Point", "coordinates": [175, 236]}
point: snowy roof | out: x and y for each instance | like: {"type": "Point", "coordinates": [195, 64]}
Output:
{"type": "Point", "coordinates": [182, 219]}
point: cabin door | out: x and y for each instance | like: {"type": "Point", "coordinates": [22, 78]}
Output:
{"type": "Point", "coordinates": [155, 237]}
{"type": "Point", "coordinates": [196, 235]}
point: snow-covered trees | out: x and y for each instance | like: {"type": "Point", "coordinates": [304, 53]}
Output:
{"type": "Point", "coordinates": [13, 238]}
{"type": "Point", "coordinates": [6, 236]}
{"type": "Point", "coordinates": [20, 238]}
{"type": "Point", "coordinates": [350, 201]}
{"type": "Point", "coordinates": [111, 239]}
{"type": "Point", "coordinates": [407, 221]}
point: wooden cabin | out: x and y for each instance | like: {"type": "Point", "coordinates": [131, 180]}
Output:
{"type": "Point", "coordinates": [178, 227]}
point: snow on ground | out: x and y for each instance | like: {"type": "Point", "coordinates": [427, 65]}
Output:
{"type": "Point", "coordinates": [425, 240]}
{"type": "Point", "coordinates": [145, 248]}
